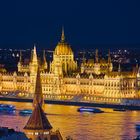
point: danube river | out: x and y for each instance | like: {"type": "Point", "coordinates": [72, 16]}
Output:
{"type": "Point", "coordinates": [110, 125]}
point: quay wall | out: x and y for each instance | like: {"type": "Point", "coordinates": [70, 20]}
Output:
{"type": "Point", "coordinates": [72, 103]}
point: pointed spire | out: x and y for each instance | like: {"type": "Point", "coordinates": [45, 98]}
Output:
{"type": "Point", "coordinates": [44, 56]}
{"type": "Point", "coordinates": [78, 76]}
{"type": "Point", "coordinates": [34, 55]}
{"type": "Point", "coordinates": [109, 57]}
{"type": "Point", "coordinates": [96, 56]}
{"type": "Point", "coordinates": [119, 68]}
{"type": "Point", "coordinates": [90, 76]}
{"type": "Point", "coordinates": [38, 97]}
{"type": "Point", "coordinates": [84, 59]}
{"type": "Point", "coordinates": [34, 50]}
{"type": "Point", "coordinates": [31, 58]}
{"type": "Point", "coordinates": [137, 67]}
{"type": "Point", "coordinates": [20, 57]}
{"type": "Point", "coordinates": [38, 120]}
{"type": "Point", "coordinates": [63, 35]}
{"type": "Point", "coordinates": [45, 65]}
{"type": "Point", "coordinates": [15, 74]}
{"type": "Point", "coordinates": [138, 73]}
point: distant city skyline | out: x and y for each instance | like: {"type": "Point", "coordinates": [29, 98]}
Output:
{"type": "Point", "coordinates": [86, 23]}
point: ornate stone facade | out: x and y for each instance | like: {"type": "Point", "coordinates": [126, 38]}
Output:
{"type": "Point", "coordinates": [97, 67]}
{"type": "Point", "coordinates": [63, 58]}
{"type": "Point", "coordinates": [96, 82]}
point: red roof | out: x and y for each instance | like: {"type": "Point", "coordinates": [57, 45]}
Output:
{"type": "Point", "coordinates": [38, 120]}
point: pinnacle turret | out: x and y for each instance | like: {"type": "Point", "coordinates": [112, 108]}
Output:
{"type": "Point", "coordinates": [63, 35]}
{"type": "Point", "coordinates": [44, 57]}
{"type": "Point", "coordinates": [34, 55]}
{"type": "Point", "coordinates": [96, 56]}
{"type": "Point", "coordinates": [119, 68]}
{"type": "Point", "coordinates": [20, 57]}
{"type": "Point", "coordinates": [109, 57]}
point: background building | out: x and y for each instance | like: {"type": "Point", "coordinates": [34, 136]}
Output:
{"type": "Point", "coordinates": [96, 81]}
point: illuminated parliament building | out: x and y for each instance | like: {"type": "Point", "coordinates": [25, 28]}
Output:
{"type": "Point", "coordinates": [62, 79]}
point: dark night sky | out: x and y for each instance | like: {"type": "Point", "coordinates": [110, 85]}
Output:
{"type": "Point", "coordinates": [87, 22]}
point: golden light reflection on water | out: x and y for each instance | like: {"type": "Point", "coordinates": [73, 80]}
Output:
{"type": "Point", "coordinates": [110, 125]}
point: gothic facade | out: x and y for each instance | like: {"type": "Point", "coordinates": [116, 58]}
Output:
{"type": "Point", "coordinates": [96, 80]}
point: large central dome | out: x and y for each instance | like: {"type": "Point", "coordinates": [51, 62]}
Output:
{"type": "Point", "coordinates": [62, 47]}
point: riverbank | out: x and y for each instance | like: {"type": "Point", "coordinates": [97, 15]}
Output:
{"type": "Point", "coordinates": [102, 105]}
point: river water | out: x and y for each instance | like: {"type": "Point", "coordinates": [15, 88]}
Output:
{"type": "Point", "coordinates": [110, 125]}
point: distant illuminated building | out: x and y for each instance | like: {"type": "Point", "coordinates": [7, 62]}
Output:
{"type": "Point", "coordinates": [32, 66]}
{"type": "Point", "coordinates": [63, 58]}
{"type": "Point", "coordinates": [94, 80]}
{"type": "Point", "coordinates": [97, 67]}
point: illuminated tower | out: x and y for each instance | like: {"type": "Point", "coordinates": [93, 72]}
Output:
{"type": "Point", "coordinates": [63, 35]}
{"type": "Point", "coordinates": [96, 56]}
{"type": "Point", "coordinates": [110, 66]}
{"type": "Point", "coordinates": [33, 70]}
{"type": "Point", "coordinates": [44, 65]}
{"type": "Point", "coordinates": [137, 67]}
{"type": "Point", "coordinates": [97, 64]}
{"type": "Point", "coordinates": [63, 58]}
{"type": "Point", "coordinates": [38, 96]}
{"type": "Point", "coordinates": [38, 127]}
{"type": "Point", "coordinates": [83, 63]}
{"type": "Point", "coordinates": [119, 68]}
{"type": "Point", "coordinates": [20, 62]}
{"type": "Point", "coordinates": [34, 61]}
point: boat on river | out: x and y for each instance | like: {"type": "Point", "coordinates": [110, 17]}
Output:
{"type": "Point", "coordinates": [119, 109]}
{"type": "Point", "coordinates": [25, 112]}
{"type": "Point", "coordinates": [89, 109]}
{"type": "Point", "coordinates": [137, 126]}
{"type": "Point", "coordinates": [6, 108]}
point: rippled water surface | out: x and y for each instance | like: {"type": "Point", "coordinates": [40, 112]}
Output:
{"type": "Point", "coordinates": [110, 125]}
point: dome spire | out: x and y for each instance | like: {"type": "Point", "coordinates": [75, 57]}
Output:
{"type": "Point", "coordinates": [63, 35]}
{"type": "Point", "coordinates": [34, 50]}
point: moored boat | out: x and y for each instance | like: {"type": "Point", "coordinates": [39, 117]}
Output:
{"type": "Point", "coordinates": [119, 109]}
{"type": "Point", "coordinates": [5, 108]}
{"type": "Point", "coordinates": [138, 126]}
{"type": "Point", "coordinates": [89, 109]}
{"type": "Point", "coordinates": [25, 112]}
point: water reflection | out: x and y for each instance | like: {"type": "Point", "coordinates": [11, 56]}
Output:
{"type": "Point", "coordinates": [81, 126]}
